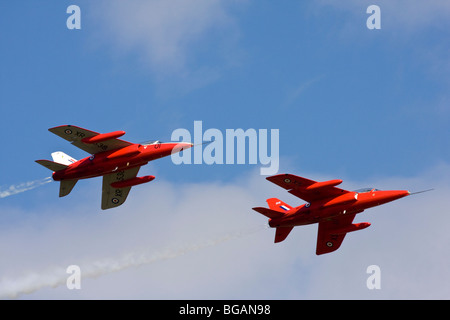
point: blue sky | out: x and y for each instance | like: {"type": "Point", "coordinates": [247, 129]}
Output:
{"type": "Point", "coordinates": [367, 106]}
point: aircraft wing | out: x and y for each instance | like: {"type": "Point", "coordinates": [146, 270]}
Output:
{"type": "Point", "coordinates": [114, 197]}
{"type": "Point", "coordinates": [327, 241]}
{"type": "Point", "coordinates": [75, 135]}
{"type": "Point", "coordinates": [301, 187]}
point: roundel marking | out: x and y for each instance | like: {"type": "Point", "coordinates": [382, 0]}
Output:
{"type": "Point", "coordinates": [329, 244]}
{"type": "Point", "coordinates": [68, 131]}
{"type": "Point", "coordinates": [115, 200]}
{"type": "Point", "coordinates": [287, 180]}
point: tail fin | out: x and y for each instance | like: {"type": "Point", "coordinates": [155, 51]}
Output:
{"type": "Point", "coordinates": [278, 205]}
{"type": "Point", "coordinates": [62, 158]}
{"type": "Point", "coordinates": [60, 161]}
{"type": "Point", "coordinates": [277, 209]}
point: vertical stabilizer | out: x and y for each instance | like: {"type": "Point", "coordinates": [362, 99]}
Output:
{"type": "Point", "coordinates": [62, 158]}
{"type": "Point", "coordinates": [278, 205]}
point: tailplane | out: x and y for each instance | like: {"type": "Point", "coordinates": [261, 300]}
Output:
{"type": "Point", "coordinates": [271, 214]}
{"type": "Point", "coordinates": [54, 166]}
{"type": "Point", "coordinates": [66, 186]}
{"type": "Point", "coordinates": [60, 162]}
{"type": "Point", "coordinates": [281, 233]}
{"type": "Point", "coordinates": [277, 209]}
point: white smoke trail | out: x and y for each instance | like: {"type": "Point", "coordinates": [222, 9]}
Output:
{"type": "Point", "coordinates": [25, 186]}
{"type": "Point", "coordinates": [12, 288]}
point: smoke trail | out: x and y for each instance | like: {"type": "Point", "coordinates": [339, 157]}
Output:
{"type": "Point", "coordinates": [25, 186]}
{"type": "Point", "coordinates": [12, 288]}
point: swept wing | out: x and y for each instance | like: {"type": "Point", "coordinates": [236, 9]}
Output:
{"type": "Point", "coordinates": [114, 197]}
{"type": "Point", "coordinates": [85, 139]}
{"type": "Point", "coordinates": [306, 189]}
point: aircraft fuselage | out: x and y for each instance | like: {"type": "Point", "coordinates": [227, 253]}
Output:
{"type": "Point", "coordinates": [116, 160]}
{"type": "Point", "coordinates": [349, 203]}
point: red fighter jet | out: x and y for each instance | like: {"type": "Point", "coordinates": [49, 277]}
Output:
{"type": "Point", "coordinates": [332, 208]}
{"type": "Point", "coordinates": [116, 160]}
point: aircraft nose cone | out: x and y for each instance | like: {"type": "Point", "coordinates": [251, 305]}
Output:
{"type": "Point", "coordinates": [185, 145]}
{"type": "Point", "coordinates": [391, 195]}
{"type": "Point", "coordinates": [401, 193]}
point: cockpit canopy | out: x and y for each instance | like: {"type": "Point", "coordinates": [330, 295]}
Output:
{"type": "Point", "coordinates": [368, 189]}
{"type": "Point", "coordinates": [150, 142]}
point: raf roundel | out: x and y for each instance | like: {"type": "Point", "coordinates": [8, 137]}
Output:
{"type": "Point", "coordinates": [68, 131]}
{"type": "Point", "coordinates": [329, 244]}
{"type": "Point", "coordinates": [115, 200]}
{"type": "Point", "coordinates": [287, 180]}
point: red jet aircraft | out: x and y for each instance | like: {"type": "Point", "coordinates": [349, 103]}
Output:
{"type": "Point", "coordinates": [332, 208]}
{"type": "Point", "coordinates": [116, 160]}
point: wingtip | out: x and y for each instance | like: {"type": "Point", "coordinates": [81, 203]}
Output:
{"type": "Point", "coordinates": [275, 176]}
{"type": "Point", "coordinates": [60, 126]}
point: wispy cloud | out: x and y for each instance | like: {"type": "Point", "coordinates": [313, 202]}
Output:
{"type": "Point", "coordinates": [169, 36]}
{"type": "Point", "coordinates": [54, 277]}
{"type": "Point", "coordinates": [300, 89]}
{"type": "Point", "coordinates": [197, 241]}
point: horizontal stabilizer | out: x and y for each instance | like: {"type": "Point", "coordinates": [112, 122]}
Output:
{"type": "Point", "coordinates": [54, 166]}
{"type": "Point", "coordinates": [281, 233]}
{"type": "Point", "coordinates": [269, 213]}
{"type": "Point", "coordinates": [66, 186]}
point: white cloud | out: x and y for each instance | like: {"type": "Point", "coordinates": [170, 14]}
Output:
{"type": "Point", "coordinates": [203, 241]}
{"type": "Point", "coordinates": [169, 36]}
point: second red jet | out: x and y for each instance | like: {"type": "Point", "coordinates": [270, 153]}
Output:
{"type": "Point", "coordinates": [118, 161]}
{"type": "Point", "coordinates": [332, 208]}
